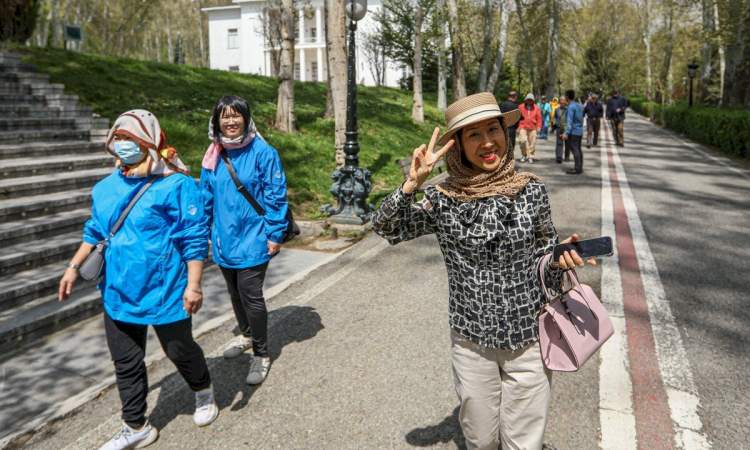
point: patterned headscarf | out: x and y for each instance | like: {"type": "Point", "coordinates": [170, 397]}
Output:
{"type": "Point", "coordinates": [143, 128]}
{"type": "Point", "coordinates": [218, 143]}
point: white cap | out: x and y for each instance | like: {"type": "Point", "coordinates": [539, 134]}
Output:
{"type": "Point", "coordinates": [529, 96]}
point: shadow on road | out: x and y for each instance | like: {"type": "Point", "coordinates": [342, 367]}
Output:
{"type": "Point", "coordinates": [287, 325]}
{"type": "Point", "coordinates": [447, 430]}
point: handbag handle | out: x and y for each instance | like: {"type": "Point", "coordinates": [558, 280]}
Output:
{"type": "Point", "coordinates": [130, 206]}
{"type": "Point", "coordinates": [572, 278]}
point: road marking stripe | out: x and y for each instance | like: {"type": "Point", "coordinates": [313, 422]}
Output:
{"type": "Point", "coordinates": [653, 331]}
{"type": "Point", "coordinates": [615, 387]}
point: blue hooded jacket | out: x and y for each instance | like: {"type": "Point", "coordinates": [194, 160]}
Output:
{"type": "Point", "coordinates": [146, 260]}
{"type": "Point", "coordinates": [239, 236]}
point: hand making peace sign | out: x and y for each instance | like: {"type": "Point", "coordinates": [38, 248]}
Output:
{"type": "Point", "coordinates": [423, 160]}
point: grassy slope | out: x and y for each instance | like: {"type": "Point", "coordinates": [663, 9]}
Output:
{"type": "Point", "coordinates": [182, 98]}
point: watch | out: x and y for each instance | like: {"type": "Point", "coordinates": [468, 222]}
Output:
{"type": "Point", "coordinates": [74, 266]}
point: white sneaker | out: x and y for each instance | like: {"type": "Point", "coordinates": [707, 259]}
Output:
{"type": "Point", "coordinates": [129, 438]}
{"type": "Point", "coordinates": [237, 346]}
{"type": "Point", "coordinates": [258, 370]}
{"type": "Point", "coordinates": [523, 159]}
{"type": "Point", "coordinates": [206, 410]}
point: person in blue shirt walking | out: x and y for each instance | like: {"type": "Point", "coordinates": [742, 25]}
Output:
{"type": "Point", "coordinates": [243, 242]}
{"type": "Point", "coordinates": [546, 109]}
{"type": "Point", "coordinates": [574, 131]}
{"type": "Point", "coordinates": [152, 273]}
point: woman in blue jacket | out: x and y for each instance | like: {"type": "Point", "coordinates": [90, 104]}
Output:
{"type": "Point", "coordinates": [244, 241]}
{"type": "Point", "coordinates": [152, 272]}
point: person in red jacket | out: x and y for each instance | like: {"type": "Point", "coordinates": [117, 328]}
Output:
{"type": "Point", "coordinates": [528, 127]}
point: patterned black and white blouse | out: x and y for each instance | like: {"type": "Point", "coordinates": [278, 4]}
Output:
{"type": "Point", "coordinates": [491, 247]}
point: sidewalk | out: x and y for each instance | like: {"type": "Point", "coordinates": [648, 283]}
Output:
{"type": "Point", "coordinates": [73, 366]}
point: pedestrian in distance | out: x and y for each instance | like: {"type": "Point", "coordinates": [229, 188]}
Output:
{"type": "Point", "coordinates": [528, 127]}
{"type": "Point", "coordinates": [553, 105]}
{"type": "Point", "coordinates": [508, 105]}
{"type": "Point", "coordinates": [593, 111]}
{"type": "Point", "coordinates": [574, 131]}
{"type": "Point", "coordinates": [243, 241]}
{"type": "Point", "coordinates": [494, 226]}
{"type": "Point", "coordinates": [560, 121]}
{"type": "Point", "coordinates": [152, 270]}
{"type": "Point", "coordinates": [546, 110]}
{"type": "Point", "coordinates": [616, 106]}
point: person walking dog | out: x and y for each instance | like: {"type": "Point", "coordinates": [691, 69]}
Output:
{"type": "Point", "coordinates": [152, 271]}
{"type": "Point", "coordinates": [494, 226]}
{"type": "Point", "coordinates": [243, 242]}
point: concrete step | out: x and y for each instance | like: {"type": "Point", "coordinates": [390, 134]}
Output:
{"type": "Point", "coordinates": [46, 88]}
{"type": "Point", "coordinates": [24, 77]}
{"type": "Point", "coordinates": [22, 99]}
{"type": "Point", "coordinates": [14, 88]}
{"type": "Point", "coordinates": [43, 204]}
{"type": "Point", "coordinates": [28, 255]}
{"type": "Point", "coordinates": [26, 167]}
{"type": "Point", "coordinates": [9, 124]}
{"type": "Point", "coordinates": [43, 227]}
{"type": "Point", "coordinates": [46, 315]}
{"type": "Point", "coordinates": [43, 135]}
{"type": "Point", "coordinates": [43, 184]}
{"type": "Point", "coordinates": [29, 111]}
{"type": "Point", "coordinates": [28, 285]}
{"type": "Point", "coordinates": [51, 148]}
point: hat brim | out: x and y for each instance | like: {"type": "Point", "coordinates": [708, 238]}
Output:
{"type": "Point", "coordinates": [509, 119]}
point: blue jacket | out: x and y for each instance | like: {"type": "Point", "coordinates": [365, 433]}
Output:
{"type": "Point", "coordinates": [574, 127]}
{"type": "Point", "coordinates": [146, 260]}
{"type": "Point", "coordinates": [239, 235]}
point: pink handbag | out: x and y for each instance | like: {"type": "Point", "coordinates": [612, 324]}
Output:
{"type": "Point", "coordinates": [572, 326]}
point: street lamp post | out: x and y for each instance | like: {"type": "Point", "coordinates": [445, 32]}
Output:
{"type": "Point", "coordinates": [351, 183]}
{"type": "Point", "coordinates": [692, 70]}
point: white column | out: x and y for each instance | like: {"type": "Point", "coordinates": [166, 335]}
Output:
{"type": "Point", "coordinates": [320, 64]}
{"type": "Point", "coordinates": [302, 64]}
{"type": "Point", "coordinates": [319, 27]}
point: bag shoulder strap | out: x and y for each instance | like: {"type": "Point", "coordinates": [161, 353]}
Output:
{"type": "Point", "coordinates": [130, 206]}
{"type": "Point", "coordinates": [241, 187]}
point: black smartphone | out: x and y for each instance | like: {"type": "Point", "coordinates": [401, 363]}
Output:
{"type": "Point", "coordinates": [601, 246]}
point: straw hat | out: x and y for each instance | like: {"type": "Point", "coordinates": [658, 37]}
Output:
{"type": "Point", "coordinates": [475, 108]}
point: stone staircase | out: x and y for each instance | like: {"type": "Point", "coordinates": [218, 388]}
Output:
{"type": "Point", "coordinates": [51, 154]}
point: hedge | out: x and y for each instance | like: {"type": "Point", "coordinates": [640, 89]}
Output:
{"type": "Point", "coordinates": [726, 129]}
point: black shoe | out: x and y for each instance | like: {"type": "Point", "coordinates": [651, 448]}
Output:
{"type": "Point", "coordinates": [559, 161]}
{"type": "Point", "coordinates": [572, 172]}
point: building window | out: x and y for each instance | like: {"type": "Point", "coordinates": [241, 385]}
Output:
{"type": "Point", "coordinates": [234, 68]}
{"type": "Point", "coordinates": [313, 34]}
{"type": "Point", "coordinates": [232, 38]}
{"type": "Point", "coordinates": [314, 69]}
{"type": "Point", "coordinates": [296, 71]}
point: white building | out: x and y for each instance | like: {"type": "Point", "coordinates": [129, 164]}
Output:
{"type": "Point", "coordinates": [237, 42]}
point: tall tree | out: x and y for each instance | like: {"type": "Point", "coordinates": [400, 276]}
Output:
{"type": "Point", "coordinates": [497, 68]}
{"type": "Point", "coordinates": [529, 48]}
{"type": "Point", "coordinates": [442, 51]}
{"type": "Point", "coordinates": [737, 54]}
{"type": "Point", "coordinates": [459, 75]}
{"type": "Point", "coordinates": [336, 54]}
{"type": "Point", "coordinates": [484, 64]}
{"type": "Point", "coordinates": [417, 110]}
{"type": "Point", "coordinates": [554, 45]}
{"type": "Point", "coordinates": [285, 100]}
{"type": "Point", "coordinates": [665, 78]}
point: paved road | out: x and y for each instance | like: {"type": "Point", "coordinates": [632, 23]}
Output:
{"type": "Point", "coordinates": [361, 345]}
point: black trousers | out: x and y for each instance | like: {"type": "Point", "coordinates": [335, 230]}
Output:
{"type": "Point", "coordinates": [512, 143]}
{"type": "Point", "coordinates": [246, 291]}
{"type": "Point", "coordinates": [573, 145]}
{"type": "Point", "coordinates": [594, 125]}
{"type": "Point", "coordinates": [127, 346]}
{"type": "Point", "coordinates": [559, 145]}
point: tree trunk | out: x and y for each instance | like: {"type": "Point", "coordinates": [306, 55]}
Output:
{"type": "Point", "coordinates": [722, 55]}
{"type": "Point", "coordinates": [201, 39]}
{"type": "Point", "coordinates": [554, 45]}
{"type": "Point", "coordinates": [486, 47]}
{"type": "Point", "coordinates": [708, 49]}
{"type": "Point", "coordinates": [497, 69]}
{"type": "Point", "coordinates": [170, 49]}
{"type": "Point", "coordinates": [459, 76]}
{"type": "Point", "coordinates": [647, 43]}
{"type": "Point", "coordinates": [442, 51]}
{"type": "Point", "coordinates": [664, 77]}
{"type": "Point", "coordinates": [417, 109]}
{"type": "Point", "coordinates": [329, 95]}
{"type": "Point", "coordinates": [285, 102]}
{"type": "Point", "coordinates": [529, 50]}
{"type": "Point", "coordinates": [336, 55]}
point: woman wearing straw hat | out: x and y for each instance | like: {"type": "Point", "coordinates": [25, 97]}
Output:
{"type": "Point", "coordinates": [152, 274]}
{"type": "Point", "coordinates": [493, 225]}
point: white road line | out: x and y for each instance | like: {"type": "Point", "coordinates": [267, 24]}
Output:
{"type": "Point", "coordinates": [615, 387]}
{"type": "Point", "coordinates": [113, 421]}
{"type": "Point", "coordinates": [673, 361]}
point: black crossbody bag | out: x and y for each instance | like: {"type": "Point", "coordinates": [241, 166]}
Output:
{"type": "Point", "coordinates": [292, 229]}
{"type": "Point", "coordinates": [93, 265]}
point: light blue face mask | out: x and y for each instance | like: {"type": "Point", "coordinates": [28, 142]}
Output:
{"type": "Point", "coordinates": [129, 152]}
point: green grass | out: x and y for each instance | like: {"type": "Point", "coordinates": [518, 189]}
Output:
{"type": "Point", "coordinates": [182, 98]}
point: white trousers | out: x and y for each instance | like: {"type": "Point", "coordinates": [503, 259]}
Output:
{"type": "Point", "coordinates": [504, 395]}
